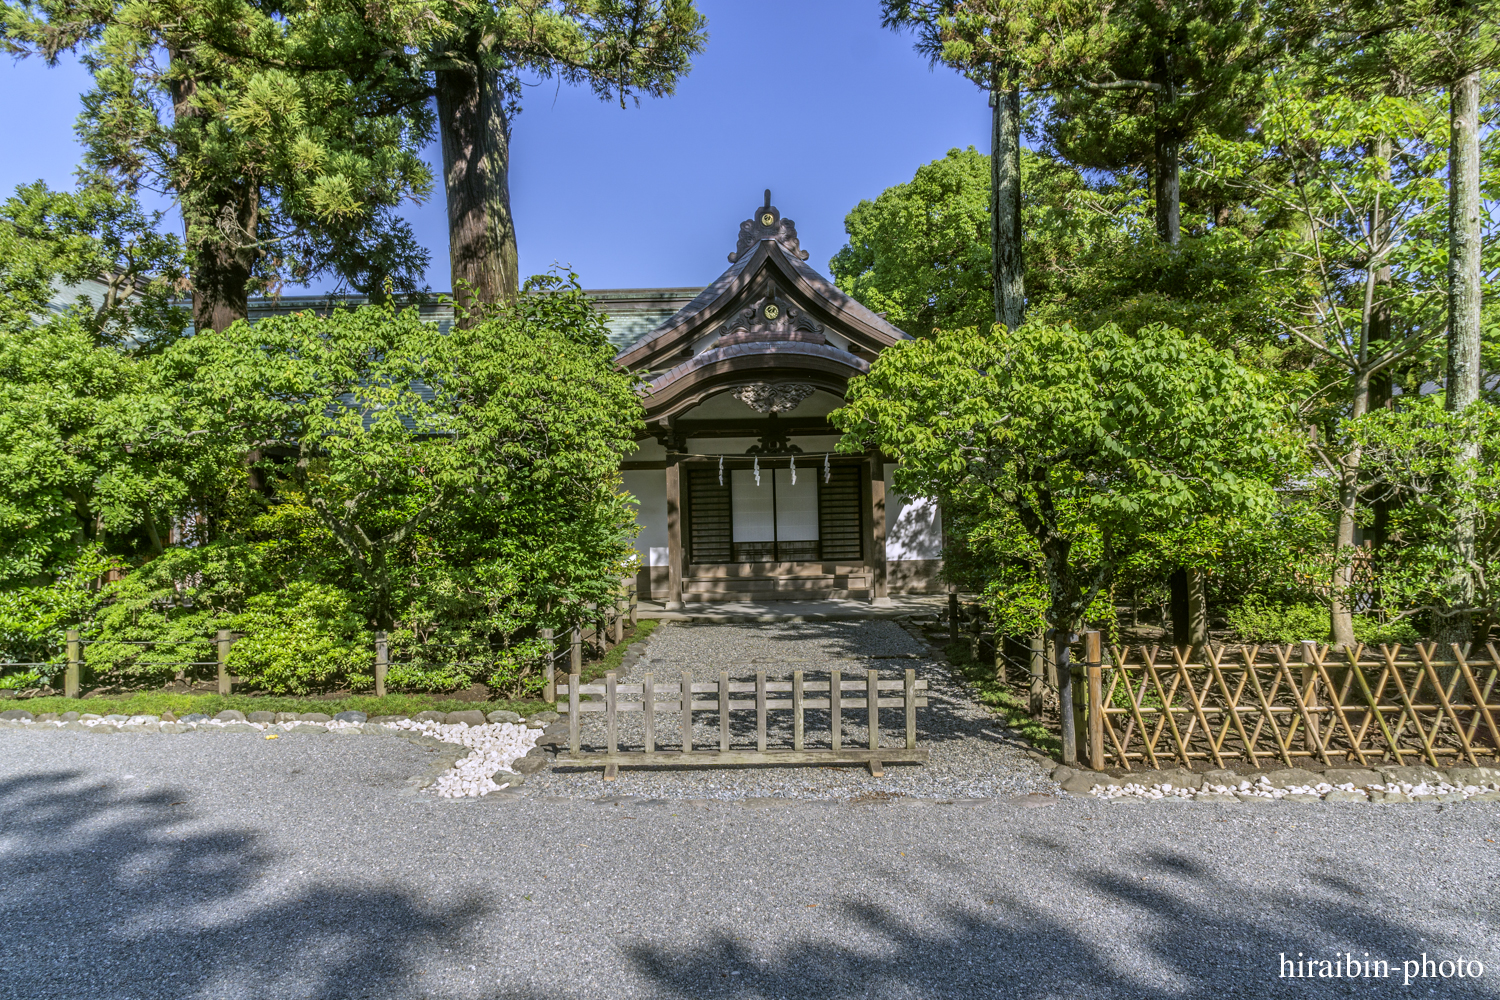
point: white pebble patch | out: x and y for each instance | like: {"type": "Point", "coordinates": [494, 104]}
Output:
{"type": "Point", "coordinates": [494, 748]}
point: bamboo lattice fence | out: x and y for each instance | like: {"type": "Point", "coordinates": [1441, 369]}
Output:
{"type": "Point", "coordinates": [1149, 705]}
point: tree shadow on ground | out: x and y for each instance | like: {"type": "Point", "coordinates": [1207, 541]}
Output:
{"type": "Point", "coordinates": [107, 893]}
{"type": "Point", "coordinates": [1183, 933]}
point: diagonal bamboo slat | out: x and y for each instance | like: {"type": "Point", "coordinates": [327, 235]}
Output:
{"type": "Point", "coordinates": [1338, 706]}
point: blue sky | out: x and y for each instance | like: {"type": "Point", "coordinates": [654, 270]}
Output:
{"type": "Point", "coordinates": [812, 99]}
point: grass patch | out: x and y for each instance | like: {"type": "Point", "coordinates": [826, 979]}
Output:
{"type": "Point", "coordinates": [616, 656]}
{"type": "Point", "coordinates": [1005, 699]}
{"type": "Point", "coordinates": [157, 702]}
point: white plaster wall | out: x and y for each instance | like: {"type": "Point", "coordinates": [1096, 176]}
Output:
{"type": "Point", "coordinates": [649, 487]}
{"type": "Point", "coordinates": [648, 450]}
{"type": "Point", "coordinates": [913, 526]}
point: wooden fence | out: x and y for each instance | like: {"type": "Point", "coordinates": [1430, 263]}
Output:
{"type": "Point", "coordinates": [870, 693]}
{"type": "Point", "coordinates": [604, 627]}
{"type": "Point", "coordinates": [1261, 704]}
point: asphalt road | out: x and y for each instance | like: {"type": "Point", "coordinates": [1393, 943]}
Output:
{"type": "Point", "coordinates": [233, 866]}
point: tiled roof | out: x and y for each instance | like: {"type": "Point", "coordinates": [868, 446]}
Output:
{"type": "Point", "coordinates": [630, 313]}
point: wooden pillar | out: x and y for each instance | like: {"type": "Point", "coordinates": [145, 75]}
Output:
{"type": "Point", "coordinates": [549, 671]}
{"type": "Point", "coordinates": [1037, 693]}
{"type": "Point", "coordinates": [1094, 663]}
{"type": "Point", "coordinates": [382, 662]}
{"type": "Point", "coordinates": [72, 678]}
{"type": "Point", "coordinates": [879, 593]}
{"type": "Point", "coordinates": [674, 533]}
{"type": "Point", "coordinates": [223, 641]}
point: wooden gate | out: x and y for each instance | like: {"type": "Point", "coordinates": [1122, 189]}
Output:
{"type": "Point", "coordinates": [835, 694]}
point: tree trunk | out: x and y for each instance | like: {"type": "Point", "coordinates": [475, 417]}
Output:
{"type": "Point", "coordinates": [1060, 637]}
{"type": "Point", "coordinates": [1177, 583]}
{"type": "Point", "coordinates": [476, 176]}
{"type": "Point", "coordinates": [1340, 605]}
{"type": "Point", "coordinates": [1380, 338]}
{"type": "Point", "coordinates": [223, 255]}
{"type": "Point", "coordinates": [1168, 190]}
{"type": "Point", "coordinates": [220, 228]}
{"type": "Point", "coordinates": [1189, 609]}
{"type": "Point", "coordinates": [1005, 206]}
{"type": "Point", "coordinates": [1464, 208]}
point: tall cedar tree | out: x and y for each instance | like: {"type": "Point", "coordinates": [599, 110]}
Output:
{"type": "Point", "coordinates": [269, 125]}
{"type": "Point", "coordinates": [981, 39]}
{"type": "Point", "coordinates": [619, 48]}
{"type": "Point", "coordinates": [1448, 46]}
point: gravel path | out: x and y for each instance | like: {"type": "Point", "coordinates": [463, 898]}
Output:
{"type": "Point", "coordinates": [973, 755]}
{"type": "Point", "coordinates": [137, 867]}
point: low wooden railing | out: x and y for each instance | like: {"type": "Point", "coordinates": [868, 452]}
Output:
{"type": "Point", "coordinates": [835, 694]}
{"type": "Point", "coordinates": [1150, 705]}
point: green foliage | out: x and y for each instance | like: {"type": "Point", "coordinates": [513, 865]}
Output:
{"type": "Point", "coordinates": [76, 382]}
{"type": "Point", "coordinates": [1259, 620]}
{"type": "Point", "coordinates": [1083, 442]}
{"type": "Point", "coordinates": [157, 702]}
{"type": "Point", "coordinates": [920, 253]}
{"type": "Point", "coordinates": [284, 134]}
{"type": "Point", "coordinates": [34, 620]}
{"type": "Point", "coordinates": [306, 638]}
{"type": "Point", "coordinates": [1417, 454]}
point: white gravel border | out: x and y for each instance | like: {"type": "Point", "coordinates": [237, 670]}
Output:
{"type": "Point", "coordinates": [493, 747]}
{"type": "Point", "coordinates": [1395, 791]}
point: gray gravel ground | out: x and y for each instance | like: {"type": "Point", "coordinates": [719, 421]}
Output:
{"type": "Point", "coordinates": [972, 754]}
{"type": "Point", "coordinates": [230, 866]}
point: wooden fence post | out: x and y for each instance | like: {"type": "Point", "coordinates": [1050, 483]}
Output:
{"type": "Point", "coordinates": [634, 609]}
{"type": "Point", "coordinates": [910, 691]}
{"type": "Point", "coordinates": [573, 738]}
{"type": "Point", "coordinates": [224, 641]}
{"type": "Point", "coordinates": [1038, 661]}
{"type": "Point", "coordinates": [619, 623]}
{"type": "Point", "coordinates": [648, 709]}
{"type": "Point", "coordinates": [1094, 661]}
{"type": "Point", "coordinates": [549, 685]}
{"type": "Point", "coordinates": [72, 677]}
{"type": "Point", "coordinates": [382, 662]}
{"type": "Point", "coordinates": [575, 665]}
{"type": "Point", "coordinates": [1312, 738]}
{"type": "Point", "coordinates": [796, 710]}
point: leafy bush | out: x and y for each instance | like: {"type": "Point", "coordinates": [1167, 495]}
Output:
{"type": "Point", "coordinates": [1257, 619]}
{"type": "Point", "coordinates": [305, 638]}
{"type": "Point", "coordinates": [34, 620]}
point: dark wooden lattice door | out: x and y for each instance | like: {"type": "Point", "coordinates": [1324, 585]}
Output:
{"type": "Point", "coordinates": [708, 517]}
{"type": "Point", "coordinates": [840, 524]}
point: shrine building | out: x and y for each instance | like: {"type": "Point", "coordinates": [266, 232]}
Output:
{"type": "Point", "coordinates": [741, 494]}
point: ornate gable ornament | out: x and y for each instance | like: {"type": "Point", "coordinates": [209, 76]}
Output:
{"type": "Point", "coordinates": [773, 398]}
{"type": "Point", "coordinates": [769, 318]}
{"type": "Point", "coordinates": [767, 224]}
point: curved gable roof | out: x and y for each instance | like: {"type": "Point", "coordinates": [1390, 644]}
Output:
{"type": "Point", "coordinates": [768, 295]}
